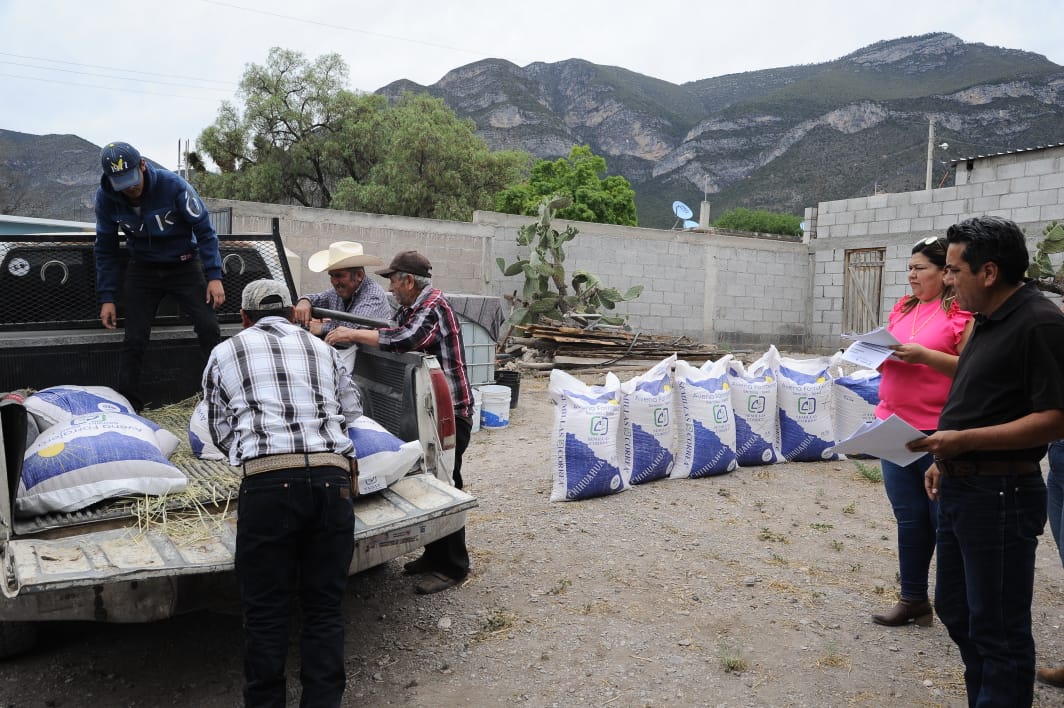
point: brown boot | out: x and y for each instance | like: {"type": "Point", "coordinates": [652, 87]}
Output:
{"type": "Point", "coordinates": [906, 611]}
{"type": "Point", "coordinates": [1054, 677]}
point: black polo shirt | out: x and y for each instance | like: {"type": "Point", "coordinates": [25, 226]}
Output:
{"type": "Point", "coordinates": [1012, 365]}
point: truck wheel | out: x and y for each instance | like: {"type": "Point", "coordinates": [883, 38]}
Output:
{"type": "Point", "coordinates": [16, 637]}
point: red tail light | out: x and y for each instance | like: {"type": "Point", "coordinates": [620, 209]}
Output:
{"type": "Point", "coordinates": [445, 427]}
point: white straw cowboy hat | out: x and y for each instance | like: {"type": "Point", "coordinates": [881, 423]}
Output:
{"type": "Point", "coordinates": [342, 254]}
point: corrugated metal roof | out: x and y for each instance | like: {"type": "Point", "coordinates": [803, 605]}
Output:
{"type": "Point", "coordinates": [1007, 152]}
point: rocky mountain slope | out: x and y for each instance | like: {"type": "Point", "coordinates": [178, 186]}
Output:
{"type": "Point", "coordinates": [779, 139]}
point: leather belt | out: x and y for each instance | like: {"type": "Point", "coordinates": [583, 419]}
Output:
{"type": "Point", "coordinates": [295, 460]}
{"type": "Point", "coordinates": [987, 468]}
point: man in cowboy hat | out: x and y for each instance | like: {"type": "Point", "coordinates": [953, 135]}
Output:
{"type": "Point", "coordinates": [351, 292]}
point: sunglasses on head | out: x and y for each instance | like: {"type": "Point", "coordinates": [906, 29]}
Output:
{"type": "Point", "coordinates": [929, 241]}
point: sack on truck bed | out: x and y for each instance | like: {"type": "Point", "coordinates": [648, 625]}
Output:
{"type": "Point", "coordinates": [93, 457]}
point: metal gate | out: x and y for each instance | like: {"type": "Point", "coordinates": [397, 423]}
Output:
{"type": "Point", "coordinates": [862, 289]}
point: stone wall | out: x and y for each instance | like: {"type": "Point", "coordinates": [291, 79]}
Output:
{"type": "Point", "coordinates": [735, 291]}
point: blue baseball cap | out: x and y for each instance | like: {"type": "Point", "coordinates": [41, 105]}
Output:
{"type": "Point", "coordinates": [121, 165]}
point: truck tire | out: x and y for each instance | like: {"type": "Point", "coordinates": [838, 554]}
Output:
{"type": "Point", "coordinates": [16, 637]}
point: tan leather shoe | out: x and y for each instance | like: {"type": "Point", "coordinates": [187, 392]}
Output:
{"type": "Point", "coordinates": [1053, 677]}
{"type": "Point", "coordinates": [906, 611]}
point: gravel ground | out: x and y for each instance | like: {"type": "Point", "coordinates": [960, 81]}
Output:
{"type": "Point", "coordinates": [749, 589]}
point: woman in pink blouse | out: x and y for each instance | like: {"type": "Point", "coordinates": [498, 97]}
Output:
{"type": "Point", "coordinates": [915, 381]}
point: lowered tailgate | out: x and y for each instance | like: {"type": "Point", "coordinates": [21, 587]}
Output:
{"type": "Point", "coordinates": [414, 511]}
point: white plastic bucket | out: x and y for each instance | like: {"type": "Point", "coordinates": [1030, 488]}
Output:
{"type": "Point", "coordinates": [476, 410]}
{"type": "Point", "coordinates": [495, 410]}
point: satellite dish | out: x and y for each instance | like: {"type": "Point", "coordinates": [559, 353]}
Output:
{"type": "Point", "coordinates": [681, 210]}
{"type": "Point", "coordinates": [691, 224]}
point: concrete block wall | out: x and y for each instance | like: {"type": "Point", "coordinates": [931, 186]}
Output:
{"type": "Point", "coordinates": [1026, 187]}
{"type": "Point", "coordinates": [735, 291]}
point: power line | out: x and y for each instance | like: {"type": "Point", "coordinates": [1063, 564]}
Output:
{"type": "Point", "coordinates": [107, 76]}
{"type": "Point", "coordinates": [79, 84]}
{"type": "Point", "coordinates": [230, 84]}
{"type": "Point", "coordinates": [330, 25]}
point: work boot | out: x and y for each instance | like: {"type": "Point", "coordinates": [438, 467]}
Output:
{"type": "Point", "coordinates": [1053, 677]}
{"type": "Point", "coordinates": [435, 583]}
{"type": "Point", "coordinates": [906, 611]}
{"type": "Point", "coordinates": [417, 567]}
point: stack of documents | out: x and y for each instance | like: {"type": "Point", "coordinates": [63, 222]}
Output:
{"type": "Point", "coordinates": [884, 439]}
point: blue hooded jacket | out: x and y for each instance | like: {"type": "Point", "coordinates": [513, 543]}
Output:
{"type": "Point", "coordinates": [173, 226]}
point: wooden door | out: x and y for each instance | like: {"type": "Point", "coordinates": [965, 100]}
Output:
{"type": "Point", "coordinates": [862, 289]}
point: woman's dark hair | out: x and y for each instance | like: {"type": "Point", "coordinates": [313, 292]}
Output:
{"type": "Point", "coordinates": [934, 249]}
{"type": "Point", "coordinates": [991, 239]}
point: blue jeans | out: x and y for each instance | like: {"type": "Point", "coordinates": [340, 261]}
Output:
{"type": "Point", "coordinates": [988, 530]}
{"type": "Point", "coordinates": [1055, 493]}
{"type": "Point", "coordinates": [917, 523]}
{"type": "Point", "coordinates": [294, 539]}
{"type": "Point", "coordinates": [145, 286]}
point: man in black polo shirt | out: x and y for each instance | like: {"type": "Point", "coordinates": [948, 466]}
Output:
{"type": "Point", "coordinates": [1005, 405]}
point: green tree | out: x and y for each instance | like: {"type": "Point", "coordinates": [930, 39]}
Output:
{"type": "Point", "coordinates": [580, 177]}
{"type": "Point", "coordinates": [431, 164]}
{"type": "Point", "coordinates": [283, 146]}
{"type": "Point", "coordinates": [303, 138]}
{"type": "Point", "coordinates": [761, 221]}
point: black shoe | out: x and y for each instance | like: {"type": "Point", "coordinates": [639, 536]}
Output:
{"type": "Point", "coordinates": [417, 567]}
{"type": "Point", "coordinates": [435, 583]}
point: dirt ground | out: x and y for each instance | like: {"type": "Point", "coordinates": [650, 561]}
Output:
{"type": "Point", "coordinates": [749, 589]}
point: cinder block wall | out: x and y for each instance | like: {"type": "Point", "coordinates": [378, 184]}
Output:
{"type": "Point", "coordinates": [735, 291]}
{"type": "Point", "coordinates": [1026, 188]}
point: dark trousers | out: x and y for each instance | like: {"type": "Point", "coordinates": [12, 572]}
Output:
{"type": "Point", "coordinates": [988, 530]}
{"type": "Point", "coordinates": [294, 539]}
{"type": "Point", "coordinates": [1055, 494]}
{"type": "Point", "coordinates": [145, 286]}
{"type": "Point", "coordinates": [449, 555]}
{"type": "Point", "coordinates": [917, 518]}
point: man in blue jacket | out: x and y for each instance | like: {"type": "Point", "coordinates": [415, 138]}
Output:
{"type": "Point", "coordinates": [173, 250]}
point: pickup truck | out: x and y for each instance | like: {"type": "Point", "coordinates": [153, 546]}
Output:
{"type": "Point", "coordinates": [102, 563]}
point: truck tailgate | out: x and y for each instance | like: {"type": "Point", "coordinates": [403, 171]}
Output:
{"type": "Point", "coordinates": [412, 512]}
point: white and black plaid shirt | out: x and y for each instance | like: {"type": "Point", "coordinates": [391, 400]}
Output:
{"type": "Point", "coordinates": [274, 389]}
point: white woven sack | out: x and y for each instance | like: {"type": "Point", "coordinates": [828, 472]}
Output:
{"type": "Point", "coordinates": [58, 404]}
{"type": "Point", "coordinates": [647, 424]}
{"type": "Point", "coordinates": [383, 459]}
{"type": "Point", "coordinates": [755, 402]}
{"type": "Point", "coordinates": [705, 435]}
{"type": "Point", "coordinates": [807, 427]}
{"type": "Point", "coordinates": [584, 437]}
{"type": "Point", "coordinates": [90, 458]}
{"type": "Point", "coordinates": [199, 435]}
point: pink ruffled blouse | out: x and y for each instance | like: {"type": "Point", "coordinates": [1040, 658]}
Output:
{"type": "Point", "coordinates": [916, 392]}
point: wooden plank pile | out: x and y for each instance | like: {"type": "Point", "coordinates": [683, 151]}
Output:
{"type": "Point", "coordinates": [549, 346]}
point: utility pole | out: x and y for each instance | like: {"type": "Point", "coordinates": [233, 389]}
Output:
{"type": "Point", "coordinates": [930, 151]}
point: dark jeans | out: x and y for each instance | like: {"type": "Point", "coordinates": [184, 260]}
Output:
{"type": "Point", "coordinates": [1055, 493]}
{"type": "Point", "coordinates": [917, 518]}
{"type": "Point", "coordinates": [449, 555]}
{"type": "Point", "coordinates": [988, 530]}
{"type": "Point", "coordinates": [294, 539]}
{"type": "Point", "coordinates": [145, 286]}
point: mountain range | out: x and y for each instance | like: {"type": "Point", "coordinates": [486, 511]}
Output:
{"type": "Point", "coordinates": [777, 139]}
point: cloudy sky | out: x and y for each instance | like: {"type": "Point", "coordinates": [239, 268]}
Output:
{"type": "Point", "coordinates": [154, 74]}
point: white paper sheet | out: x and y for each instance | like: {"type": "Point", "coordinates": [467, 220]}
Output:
{"type": "Point", "coordinates": [884, 439]}
{"type": "Point", "coordinates": [871, 348]}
